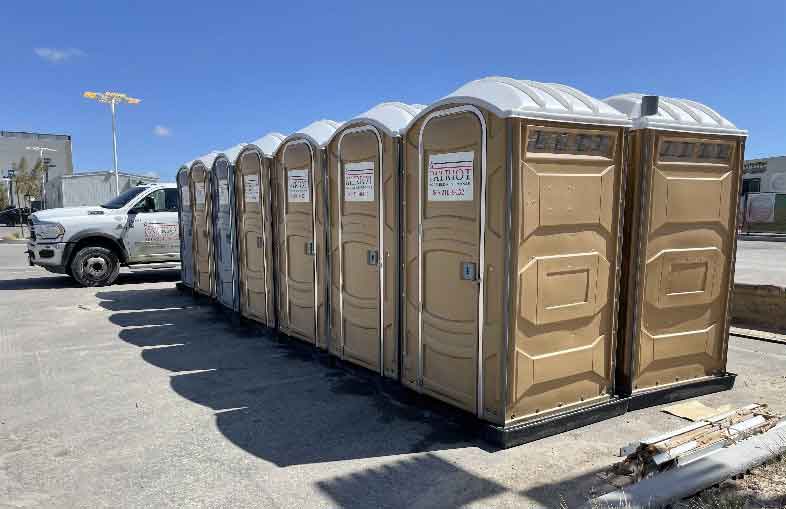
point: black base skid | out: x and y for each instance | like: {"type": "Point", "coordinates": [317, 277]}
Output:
{"type": "Point", "coordinates": [517, 434]}
{"type": "Point", "coordinates": [522, 433]}
{"type": "Point", "coordinates": [677, 392]}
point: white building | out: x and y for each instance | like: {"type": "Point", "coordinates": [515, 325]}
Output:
{"type": "Point", "coordinates": [13, 148]}
{"type": "Point", "coordinates": [94, 187]}
{"type": "Point", "coordinates": [765, 175]}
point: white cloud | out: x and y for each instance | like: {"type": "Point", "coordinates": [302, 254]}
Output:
{"type": "Point", "coordinates": [162, 131]}
{"type": "Point", "coordinates": [57, 55]}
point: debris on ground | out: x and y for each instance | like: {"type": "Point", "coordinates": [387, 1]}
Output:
{"type": "Point", "coordinates": [695, 410]}
{"type": "Point", "coordinates": [662, 452]}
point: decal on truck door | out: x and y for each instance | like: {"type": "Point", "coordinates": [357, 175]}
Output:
{"type": "Point", "coordinates": [450, 176]}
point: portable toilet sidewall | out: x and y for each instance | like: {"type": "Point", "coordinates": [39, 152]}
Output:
{"type": "Point", "coordinates": [509, 297]}
{"type": "Point", "coordinates": [203, 238]}
{"type": "Point", "coordinates": [186, 226]}
{"type": "Point", "coordinates": [254, 211]}
{"type": "Point", "coordinates": [679, 275]}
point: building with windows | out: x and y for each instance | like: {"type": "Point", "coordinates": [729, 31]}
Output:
{"type": "Point", "coordinates": [13, 150]}
{"type": "Point", "coordinates": [85, 188]}
{"type": "Point", "coordinates": [763, 200]}
{"type": "Point", "coordinates": [765, 175]}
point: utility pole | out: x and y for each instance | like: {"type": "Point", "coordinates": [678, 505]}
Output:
{"type": "Point", "coordinates": [45, 176]}
{"type": "Point", "coordinates": [113, 98]}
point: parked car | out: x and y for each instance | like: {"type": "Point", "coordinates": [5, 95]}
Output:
{"type": "Point", "coordinates": [90, 244]}
{"type": "Point", "coordinates": [14, 215]}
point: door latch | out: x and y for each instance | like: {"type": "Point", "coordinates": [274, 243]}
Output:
{"type": "Point", "coordinates": [310, 248]}
{"type": "Point", "coordinates": [373, 257]}
{"type": "Point", "coordinates": [469, 271]}
{"type": "Point", "coordinates": [259, 242]}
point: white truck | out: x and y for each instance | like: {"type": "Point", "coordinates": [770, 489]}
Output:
{"type": "Point", "coordinates": [90, 244]}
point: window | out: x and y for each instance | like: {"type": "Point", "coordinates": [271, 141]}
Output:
{"type": "Point", "coordinates": [751, 186]}
{"type": "Point", "coordinates": [160, 200]}
{"type": "Point", "coordinates": [547, 140]}
{"type": "Point", "coordinates": [122, 199]}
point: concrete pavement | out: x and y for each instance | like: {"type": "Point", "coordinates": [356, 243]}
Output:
{"type": "Point", "coordinates": [134, 396]}
{"type": "Point", "coordinates": [761, 263]}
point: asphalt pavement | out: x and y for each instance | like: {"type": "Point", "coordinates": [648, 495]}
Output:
{"type": "Point", "coordinates": [761, 263]}
{"type": "Point", "coordinates": [135, 396]}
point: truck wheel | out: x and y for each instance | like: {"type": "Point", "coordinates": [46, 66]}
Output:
{"type": "Point", "coordinates": [95, 266]}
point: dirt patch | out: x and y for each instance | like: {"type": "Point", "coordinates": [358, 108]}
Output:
{"type": "Point", "coordinates": [762, 487]}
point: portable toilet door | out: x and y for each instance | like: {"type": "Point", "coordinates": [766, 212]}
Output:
{"type": "Point", "coordinates": [686, 169]}
{"type": "Point", "coordinates": [254, 209]}
{"type": "Point", "coordinates": [301, 249]}
{"type": "Point", "coordinates": [363, 174]}
{"type": "Point", "coordinates": [186, 226]}
{"type": "Point", "coordinates": [203, 238]}
{"type": "Point", "coordinates": [512, 205]}
{"type": "Point", "coordinates": [224, 231]}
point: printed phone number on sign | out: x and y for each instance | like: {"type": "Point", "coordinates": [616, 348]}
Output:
{"type": "Point", "coordinates": [450, 177]}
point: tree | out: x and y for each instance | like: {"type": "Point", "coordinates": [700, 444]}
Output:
{"type": "Point", "coordinates": [28, 181]}
{"type": "Point", "coordinates": [4, 196]}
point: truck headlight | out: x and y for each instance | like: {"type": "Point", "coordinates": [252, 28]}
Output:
{"type": "Point", "coordinates": [49, 231]}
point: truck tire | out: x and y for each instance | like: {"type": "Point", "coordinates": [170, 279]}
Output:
{"type": "Point", "coordinates": [95, 266]}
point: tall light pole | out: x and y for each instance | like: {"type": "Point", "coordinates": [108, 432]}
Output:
{"type": "Point", "coordinates": [45, 176]}
{"type": "Point", "coordinates": [113, 98]}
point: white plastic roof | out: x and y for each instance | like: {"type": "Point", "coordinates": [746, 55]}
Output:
{"type": "Point", "coordinates": [267, 144]}
{"type": "Point", "coordinates": [391, 117]}
{"type": "Point", "coordinates": [674, 114]}
{"type": "Point", "coordinates": [206, 159]}
{"type": "Point", "coordinates": [232, 152]}
{"type": "Point", "coordinates": [508, 97]}
{"type": "Point", "coordinates": [318, 132]}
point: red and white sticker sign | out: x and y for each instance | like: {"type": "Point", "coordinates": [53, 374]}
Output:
{"type": "Point", "coordinates": [199, 192]}
{"type": "Point", "coordinates": [359, 181]}
{"type": "Point", "coordinates": [298, 186]}
{"type": "Point", "coordinates": [251, 188]}
{"type": "Point", "coordinates": [223, 193]}
{"type": "Point", "coordinates": [450, 177]}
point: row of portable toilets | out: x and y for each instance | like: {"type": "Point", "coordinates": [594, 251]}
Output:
{"type": "Point", "coordinates": [519, 250]}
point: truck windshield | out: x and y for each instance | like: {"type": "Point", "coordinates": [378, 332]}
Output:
{"type": "Point", "coordinates": [123, 198]}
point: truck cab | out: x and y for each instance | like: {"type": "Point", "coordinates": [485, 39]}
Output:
{"type": "Point", "coordinates": [90, 244]}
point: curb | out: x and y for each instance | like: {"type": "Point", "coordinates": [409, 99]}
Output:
{"type": "Point", "coordinates": [759, 307]}
{"type": "Point", "coordinates": [770, 337]}
{"type": "Point", "coordinates": [768, 237]}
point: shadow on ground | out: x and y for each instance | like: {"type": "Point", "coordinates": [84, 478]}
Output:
{"type": "Point", "coordinates": [279, 400]}
{"type": "Point", "coordinates": [54, 282]}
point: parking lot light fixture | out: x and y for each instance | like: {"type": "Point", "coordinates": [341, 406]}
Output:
{"type": "Point", "coordinates": [113, 98]}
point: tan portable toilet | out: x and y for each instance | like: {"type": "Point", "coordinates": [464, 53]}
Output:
{"type": "Point", "coordinates": [203, 234]}
{"type": "Point", "coordinates": [364, 157]}
{"type": "Point", "coordinates": [254, 210]}
{"type": "Point", "coordinates": [186, 225]}
{"type": "Point", "coordinates": [685, 171]}
{"type": "Point", "coordinates": [513, 194]}
{"type": "Point", "coordinates": [301, 251]}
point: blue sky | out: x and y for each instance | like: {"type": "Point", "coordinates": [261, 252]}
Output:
{"type": "Point", "coordinates": [212, 74]}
